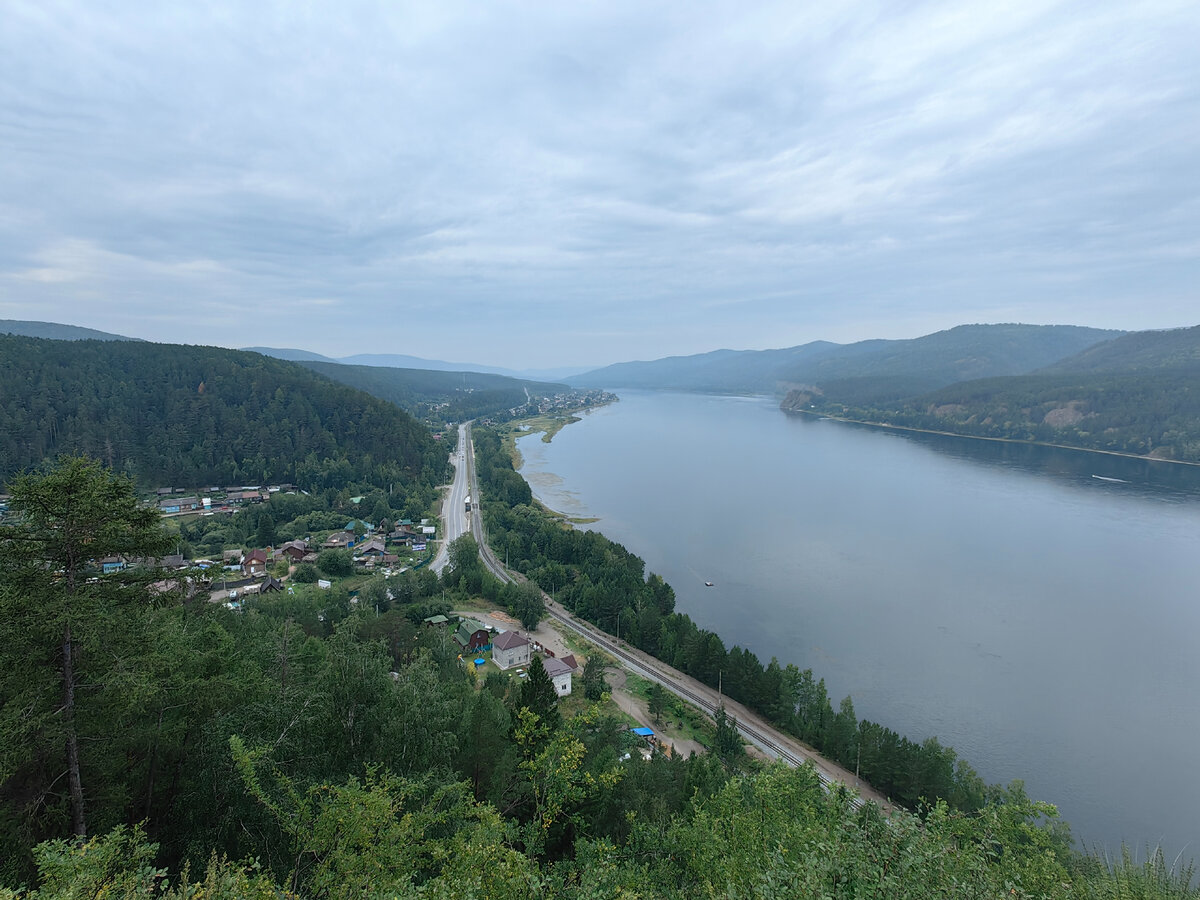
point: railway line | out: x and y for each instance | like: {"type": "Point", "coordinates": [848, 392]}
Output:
{"type": "Point", "coordinates": [660, 674]}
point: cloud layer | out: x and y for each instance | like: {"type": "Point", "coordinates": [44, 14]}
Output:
{"type": "Point", "coordinates": [524, 184]}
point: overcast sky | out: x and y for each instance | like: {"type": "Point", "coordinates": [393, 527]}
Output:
{"type": "Point", "coordinates": [546, 184]}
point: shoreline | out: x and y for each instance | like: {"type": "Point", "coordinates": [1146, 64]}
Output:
{"type": "Point", "coordinates": [980, 437]}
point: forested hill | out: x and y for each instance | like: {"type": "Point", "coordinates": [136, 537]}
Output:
{"type": "Point", "coordinates": [184, 415]}
{"type": "Point", "coordinates": [1142, 351]}
{"type": "Point", "coordinates": [57, 332]}
{"type": "Point", "coordinates": [1137, 394]}
{"type": "Point", "coordinates": [919, 364]}
{"type": "Point", "coordinates": [437, 395]}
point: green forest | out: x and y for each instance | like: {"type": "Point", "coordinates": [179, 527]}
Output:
{"type": "Point", "coordinates": [153, 745]}
{"type": "Point", "coordinates": [1155, 414]}
{"type": "Point", "coordinates": [183, 415]}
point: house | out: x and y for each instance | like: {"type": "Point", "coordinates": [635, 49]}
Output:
{"type": "Point", "coordinates": [254, 563]}
{"type": "Point", "coordinates": [560, 674]}
{"type": "Point", "coordinates": [339, 540]}
{"type": "Point", "coordinates": [509, 649]}
{"type": "Point", "coordinates": [472, 636]}
{"type": "Point", "coordinates": [435, 621]}
{"type": "Point", "coordinates": [372, 547]}
{"type": "Point", "coordinates": [295, 551]}
{"type": "Point", "coordinates": [270, 585]}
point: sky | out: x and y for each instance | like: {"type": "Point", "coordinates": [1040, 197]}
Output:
{"type": "Point", "coordinates": [530, 184]}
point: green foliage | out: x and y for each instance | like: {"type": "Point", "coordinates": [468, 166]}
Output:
{"type": "Point", "coordinates": [538, 694]}
{"type": "Point", "coordinates": [68, 625]}
{"type": "Point", "coordinates": [594, 684]}
{"type": "Point", "coordinates": [526, 603]}
{"type": "Point", "coordinates": [306, 573]}
{"type": "Point", "coordinates": [184, 415]}
{"type": "Point", "coordinates": [336, 563]}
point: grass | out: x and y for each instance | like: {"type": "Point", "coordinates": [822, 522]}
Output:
{"type": "Point", "coordinates": [679, 719]}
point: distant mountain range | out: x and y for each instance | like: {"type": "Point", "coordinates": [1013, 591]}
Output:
{"type": "Point", "coordinates": [909, 366]}
{"type": "Point", "coordinates": [403, 361]}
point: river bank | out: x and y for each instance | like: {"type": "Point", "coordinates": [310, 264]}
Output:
{"type": "Point", "coordinates": [816, 414]}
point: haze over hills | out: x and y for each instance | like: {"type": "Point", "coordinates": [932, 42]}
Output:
{"type": "Point", "coordinates": [1140, 351]}
{"type": "Point", "coordinates": [924, 363]}
{"type": "Point", "coordinates": [54, 331]}
{"type": "Point", "coordinates": [442, 397]}
{"type": "Point", "coordinates": [404, 361]}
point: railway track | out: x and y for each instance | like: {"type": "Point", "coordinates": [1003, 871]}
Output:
{"type": "Point", "coordinates": [665, 677]}
{"type": "Point", "coordinates": [755, 735]}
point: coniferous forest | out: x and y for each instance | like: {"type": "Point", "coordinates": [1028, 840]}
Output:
{"type": "Point", "coordinates": [172, 414]}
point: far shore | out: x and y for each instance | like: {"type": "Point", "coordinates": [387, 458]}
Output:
{"type": "Point", "coordinates": [979, 437]}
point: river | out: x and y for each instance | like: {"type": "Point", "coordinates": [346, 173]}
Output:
{"type": "Point", "coordinates": [1040, 620]}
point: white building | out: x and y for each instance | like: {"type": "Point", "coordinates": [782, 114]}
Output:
{"type": "Point", "coordinates": [560, 673]}
{"type": "Point", "coordinates": [510, 649]}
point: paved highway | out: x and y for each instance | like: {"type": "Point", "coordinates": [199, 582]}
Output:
{"type": "Point", "coordinates": [752, 727]}
{"type": "Point", "coordinates": [455, 518]}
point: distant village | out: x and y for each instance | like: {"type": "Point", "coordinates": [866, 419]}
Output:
{"type": "Point", "coordinates": [561, 403]}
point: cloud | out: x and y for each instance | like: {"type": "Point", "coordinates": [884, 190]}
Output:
{"type": "Point", "coordinates": [595, 179]}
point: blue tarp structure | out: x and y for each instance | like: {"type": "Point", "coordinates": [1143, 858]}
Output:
{"type": "Point", "coordinates": [480, 661]}
{"type": "Point", "coordinates": [643, 732]}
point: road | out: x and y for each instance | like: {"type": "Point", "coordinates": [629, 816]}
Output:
{"type": "Point", "coordinates": [752, 727]}
{"type": "Point", "coordinates": [455, 518]}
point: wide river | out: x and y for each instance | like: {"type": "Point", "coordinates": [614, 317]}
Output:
{"type": "Point", "coordinates": [1039, 619]}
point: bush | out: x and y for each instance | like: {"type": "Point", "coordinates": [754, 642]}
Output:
{"type": "Point", "coordinates": [306, 573]}
{"type": "Point", "coordinates": [336, 562]}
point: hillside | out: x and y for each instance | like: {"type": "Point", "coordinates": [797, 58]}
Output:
{"type": "Point", "coordinates": [1153, 411]}
{"type": "Point", "coordinates": [1143, 351]}
{"type": "Point", "coordinates": [54, 331]}
{"type": "Point", "coordinates": [866, 368]}
{"type": "Point", "coordinates": [172, 414]}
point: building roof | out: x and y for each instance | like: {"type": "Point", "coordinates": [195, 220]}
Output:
{"type": "Point", "coordinates": [507, 640]}
{"type": "Point", "coordinates": [468, 627]}
{"type": "Point", "coordinates": [643, 732]}
{"type": "Point", "coordinates": [570, 660]}
{"type": "Point", "coordinates": [555, 667]}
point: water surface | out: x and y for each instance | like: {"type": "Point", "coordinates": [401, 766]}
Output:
{"type": "Point", "coordinates": [1040, 620]}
